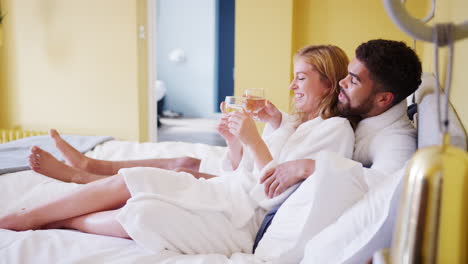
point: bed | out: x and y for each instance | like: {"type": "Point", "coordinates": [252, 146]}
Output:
{"type": "Point", "coordinates": [335, 244]}
{"type": "Point", "coordinates": [27, 188]}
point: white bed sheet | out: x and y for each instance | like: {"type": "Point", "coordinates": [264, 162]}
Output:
{"type": "Point", "coordinates": [27, 188]}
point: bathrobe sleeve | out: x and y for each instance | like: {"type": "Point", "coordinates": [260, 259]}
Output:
{"type": "Point", "coordinates": [391, 150]}
{"type": "Point", "coordinates": [268, 130]}
{"type": "Point", "coordinates": [286, 126]}
{"type": "Point", "coordinates": [349, 238]}
{"type": "Point", "coordinates": [308, 140]}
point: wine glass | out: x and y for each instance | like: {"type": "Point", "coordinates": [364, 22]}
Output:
{"type": "Point", "coordinates": [254, 101]}
{"type": "Point", "coordinates": [233, 103]}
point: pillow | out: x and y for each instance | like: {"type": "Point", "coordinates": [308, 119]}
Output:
{"type": "Point", "coordinates": [335, 186]}
{"type": "Point", "coordinates": [427, 116]}
{"type": "Point", "coordinates": [428, 130]}
{"type": "Point", "coordinates": [360, 231]}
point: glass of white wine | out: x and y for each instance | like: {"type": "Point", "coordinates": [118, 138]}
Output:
{"type": "Point", "coordinates": [233, 103]}
{"type": "Point", "coordinates": [254, 101]}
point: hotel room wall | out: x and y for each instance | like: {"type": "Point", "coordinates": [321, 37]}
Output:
{"type": "Point", "coordinates": [348, 23]}
{"type": "Point", "coordinates": [72, 65]}
{"type": "Point", "coordinates": [3, 91]}
{"type": "Point", "coordinates": [455, 11]}
{"type": "Point", "coordinates": [263, 48]}
{"type": "Point", "coordinates": [268, 33]}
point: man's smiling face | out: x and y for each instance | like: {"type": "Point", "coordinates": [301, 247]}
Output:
{"type": "Point", "coordinates": [357, 92]}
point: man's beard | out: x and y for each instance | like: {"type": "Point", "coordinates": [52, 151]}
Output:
{"type": "Point", "coordinates": [359, 111]}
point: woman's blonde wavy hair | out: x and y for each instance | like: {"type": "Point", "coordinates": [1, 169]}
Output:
{"type": "Point", "coordinates": [331, 63]}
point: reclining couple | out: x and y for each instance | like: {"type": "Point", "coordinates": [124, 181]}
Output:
{"type": "Point", "coordinates": [159, 205]}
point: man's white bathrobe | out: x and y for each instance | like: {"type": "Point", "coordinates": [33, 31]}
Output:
{"type": "Point", "coordinates": [384, 143]}
{"type": "Point", "coordinates": [222, 215]}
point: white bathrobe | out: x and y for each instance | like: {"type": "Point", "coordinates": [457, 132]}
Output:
{"type": "Point", "coordinates": [385, 143]}
{"type": "Point", "coordinates": [221, 215]}
{"type": "Point", "coordinates": [319, 210]}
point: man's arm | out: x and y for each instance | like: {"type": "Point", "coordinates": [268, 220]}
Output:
{"type": "Point", "coordinates": [286, 174]}
{"type": "Point", "coordinates": [335, 135]}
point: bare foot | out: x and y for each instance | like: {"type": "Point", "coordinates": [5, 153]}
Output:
{"type": "Point", "coordinates": [17, 222]}
{"type": "Point", "coordinates": [72, 156]}
{"type": "Point", "coordinates": [44, 163]}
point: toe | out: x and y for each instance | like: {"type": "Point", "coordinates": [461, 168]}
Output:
{"type": "Point", "coordinates": [33, 166]}
{"type": "Point", "coordinates": [53, 133]}
{"type": "Point", "coordinates": [38, 151]}
{"type": "Point", "coordinates": [35, 150]}
{"type": "Point", "coordinates": [33, 160]}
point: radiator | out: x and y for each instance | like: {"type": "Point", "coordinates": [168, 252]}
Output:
{"type": "Point", "coordinates": [7, 135]}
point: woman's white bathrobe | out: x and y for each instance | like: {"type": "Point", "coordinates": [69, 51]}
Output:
{"type": "Point", "coordinates": [174, 210]}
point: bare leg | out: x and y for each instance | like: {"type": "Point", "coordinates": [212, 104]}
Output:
{"type": "Point", "coordinates": [102, 167]}
{"type": "Point", "coordinates": [72, 157]}
{"type": "Point", "coordinates": [44, 163]}
{"type": "Point", "coordinates": [105, 194]}
{"type": "Point", "coordinates": [99, 223]}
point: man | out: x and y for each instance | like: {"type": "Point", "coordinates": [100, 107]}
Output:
{"type": "Point", "coordinates": [381, 76]}
{"type": "Point", "coordinates": [379, 79]}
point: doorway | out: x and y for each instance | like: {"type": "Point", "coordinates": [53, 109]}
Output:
{"type": "Point", "coordinates": [225, 49]}
{"type": "Point", "coordinates": [194, 58]}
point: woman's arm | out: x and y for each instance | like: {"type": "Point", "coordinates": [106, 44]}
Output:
{"type": "Point", "coordinates": [270, 115]}
{"type": "Point", "coordinates": [234, 145]}
{"type": "Point", "coordinates": [243, 127]}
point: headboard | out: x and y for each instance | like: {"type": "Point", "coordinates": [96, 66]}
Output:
{"type": "Point", "coordinates": [426, 117]}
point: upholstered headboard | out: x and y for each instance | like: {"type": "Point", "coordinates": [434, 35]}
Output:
{"type": "Point", "coordinates": [426, 117]}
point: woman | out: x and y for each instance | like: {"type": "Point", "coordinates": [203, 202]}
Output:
{"type": "Point", "coordinates": [166, 209]}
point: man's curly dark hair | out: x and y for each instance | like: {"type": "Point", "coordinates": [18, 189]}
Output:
{"type": "Point", "coordinates": [393, 65]}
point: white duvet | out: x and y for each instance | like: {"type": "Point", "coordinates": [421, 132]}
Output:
{"type": "Point", "coordinates": [27, 188]}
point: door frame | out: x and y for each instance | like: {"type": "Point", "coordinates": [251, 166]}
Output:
{"type": "Point", "coordinates": [151, 68]}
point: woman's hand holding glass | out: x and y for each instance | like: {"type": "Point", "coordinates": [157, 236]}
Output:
{"type": "Point", "coordinates": [223, 129]}
{"type": "Point", "coordinates": [232, 103]}
{"type": "Point", "coordinates": [241, 125]}
{"type": "Point", "coordinates": [254, 101]}
{"type": "Point", "coordinates": [270, 114]}
{"type": "Point", "coordinates": [222, 126]}
{"type": "Point", "coordinates": [235, 123]}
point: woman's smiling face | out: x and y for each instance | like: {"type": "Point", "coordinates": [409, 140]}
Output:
{"type": "Point", "coordinates": [308, 87]}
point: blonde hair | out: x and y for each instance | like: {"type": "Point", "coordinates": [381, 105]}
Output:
{"type": "Point", "coordinates": [331, 63]}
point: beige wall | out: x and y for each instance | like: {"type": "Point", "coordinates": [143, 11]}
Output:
{"type": "Point", "coordinates": [452, 11]}
{"type": "Point", "coordinates": [263, 48]}
{"type": "Point", "coordinates": [268, 33]}
{"type": "Point", "coordinates": [346, 23]}
{"type": "Point", "coordinates": [72, 65]}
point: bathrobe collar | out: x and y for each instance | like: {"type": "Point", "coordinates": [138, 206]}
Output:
{"type": "Point", "coordinates": [373, 124]}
